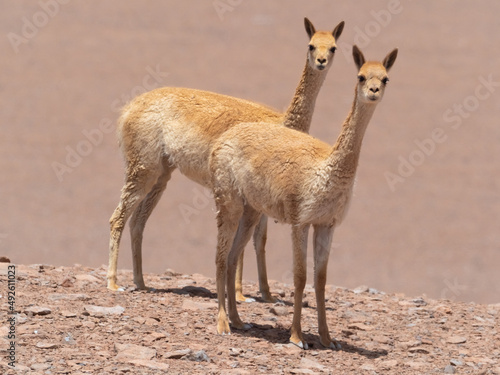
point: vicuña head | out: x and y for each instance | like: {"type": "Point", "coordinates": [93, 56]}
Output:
{"type": "Point", "coordinates": [372, 75]}
{"type": "Point", "coordinates": [322, 45]}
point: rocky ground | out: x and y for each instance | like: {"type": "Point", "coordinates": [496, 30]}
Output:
{"type": "Point", "coordinates": [69, 323]}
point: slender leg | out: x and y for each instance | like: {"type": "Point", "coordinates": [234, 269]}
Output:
{"type": "Point", "coordinates": [243, 234]}
{"type": "Point", "coordinates": [135, 189]}
{"type": "Point", "coordinates": [239, 279]}
{"type": "Point", "coordinates": [228, 216]}
{"type": "Point", "coordinates": [259, 240]}
{"type": "Point", "coordinates": [139, 219]}
{"type": "Point", "coordinates": [322, 244]}
{"type": "Point", "coordinates": [299, 239]}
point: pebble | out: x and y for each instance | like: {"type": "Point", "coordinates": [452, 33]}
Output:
{"type": "Point", "coordinates": [199, 356]}
{"type": "Point", "coordinates": [46, 345]}
{"type": "Point", "coordinates": [361, 289]}
{"type": "Point", "coordinates": [189, 304]}
{"type": "Point", "coordinates": [279, 310]}
{"type": "Point", "coordinates": [100, 311]}
{"type": "Point", "coordinates": [177, 354]}
{"type": "Point", "coordinates": [88, 278]}
{"type": "Point", "coordinates": [127, 352]}
{"type": "Point", "coordinates": [449, 369]}
{"type": "Point", "coordinates": [456, 362]}
{"type": "Point", "coordinates": [456, 340]}
{"type": "Point", "coordinates": [37, 310]}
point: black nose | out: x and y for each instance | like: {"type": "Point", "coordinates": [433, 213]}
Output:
{"type": "Point", "coordinates": [321, 61]}
{"type": "Point", "coordinates": [374, 89]}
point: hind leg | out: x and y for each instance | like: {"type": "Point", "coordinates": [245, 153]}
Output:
{"type": "Point", "coordinates": [243, 234]}
{"type": "Point", "coordinates": [140, 217]}
{"type": "Point", "coordinates": [259, 240]}
{"type": "Point", "coordinates": [137, 184]}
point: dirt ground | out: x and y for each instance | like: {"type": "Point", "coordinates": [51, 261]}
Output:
{"type": "Point", "coordinates": [68, 324]}
{"type": "Point", "coordinates": [425, 215]}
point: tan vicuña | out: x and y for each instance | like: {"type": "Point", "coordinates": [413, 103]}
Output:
{"type": "Point", "coordinates": [295, 179]}
{"type": "Point", "coordinates": [175, 128]}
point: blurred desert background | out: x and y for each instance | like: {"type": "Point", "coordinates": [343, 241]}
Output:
{"type": "Point", "coordinates": [425, 216]}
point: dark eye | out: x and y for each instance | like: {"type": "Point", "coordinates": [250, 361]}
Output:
{"type": "Point", "coordinates": [361, 78]}
{"type": "Point", "coordinates": [385, 80]}
{"type": "Point", "coordinates": [311, 47]}
{"type": "Point", "coordinates": [332, 50]}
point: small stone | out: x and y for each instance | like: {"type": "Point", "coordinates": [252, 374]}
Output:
{"type": "Point", "coordinates": [449, 369]}
{"type": "Point", "coordinates": [456, 340]}
{"type": "Point", "coordinates": [67, 283]}
{"type": "Point", "coordinates": [37, 310]}
{"type": "Point", "coordinates": [68, 314]}
{"type": "Point", "coordinates": [418, 349]}
{"type": "Point", "coordinates": [170, 272]}
{"type": "Point", "coordinates": [310, 364]}
{"type": "Point", "coordinates": [234, 352]}
{"type": "Point", "coordinates": [360, 326]}
{"type": "Point", "coordinates": [368, 367]}
{"type": "Point", "coordinates": [46, 345]}
{"type": "Point", "coordinates": [279, 310]}
{"type": "Point", "coordinates": [87, 278]}
{"type": "Point", "coordinates": [40, 366]}
{"type": "Point", "coordinates": [419, 301]}
{"type": "Point", "coordinates": [199, 356]}
{"type": "Point", "coordinates": [154, 336]}
{"type": "Point", "coordinates": [189, 304]}
{"type": "Point", "coordinates": [389, 364]}
{"type": "Point", "coordinates": [128, 352]}
{"type": "Point", "coordinates": [361, 289]}
{"type": "Point", "coordinates": [177, 354]}
{"type": "Point", "coordinates": [456, 362]}
{"type": "Point", "coordinates": [154, 365]}
{"type": "Point", "coordinates": [68, 297]}
{"type": "Point", "coordinates": [100, 311]}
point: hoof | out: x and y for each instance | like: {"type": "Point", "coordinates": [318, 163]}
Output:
{"type": "Point", "coordinates": [241, 326]}
{"type": "Point", "coordinates": [301, 344]}
{"type": "Point", "coordinates": [223, 328]}
{"type": "Point", "coordinates": [269, 298]}
{"type": "Point", "coordinates": [332, 344]}
{"type": "Point", "coordinates": [241, 298]}
{"type": "Point", "coordinates": [335, 345]}
{"type": "Point", "coordinates": [114, 288]}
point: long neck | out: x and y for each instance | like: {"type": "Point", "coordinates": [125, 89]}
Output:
{"type": "Point", "coordinates": [299, 113]}
{"type": "Point", "coordinates": [345, 153]}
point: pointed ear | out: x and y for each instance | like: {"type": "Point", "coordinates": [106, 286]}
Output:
{"type": "Point", "coordinates": [338, 30]}
{"type": "Point", "coordinates": [359, 59]}
{"type": "Point", "coordinates": [309, 27]}
{"type": "Point", "coordinates": [389, 59]}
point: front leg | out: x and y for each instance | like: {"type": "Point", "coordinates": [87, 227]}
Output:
{"type": "Point", "coordinates": [322, 244]}
{"type": "Point", "coordinates": [299, 239]}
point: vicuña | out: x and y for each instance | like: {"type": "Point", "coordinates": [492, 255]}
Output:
{"type": "Point", "coordinates": [296, 179]}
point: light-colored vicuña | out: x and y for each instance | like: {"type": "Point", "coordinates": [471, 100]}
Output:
{"type": "Point", "coordinates": [296, 179]}
{"type": "Point", "coordinates": [171, 128]}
